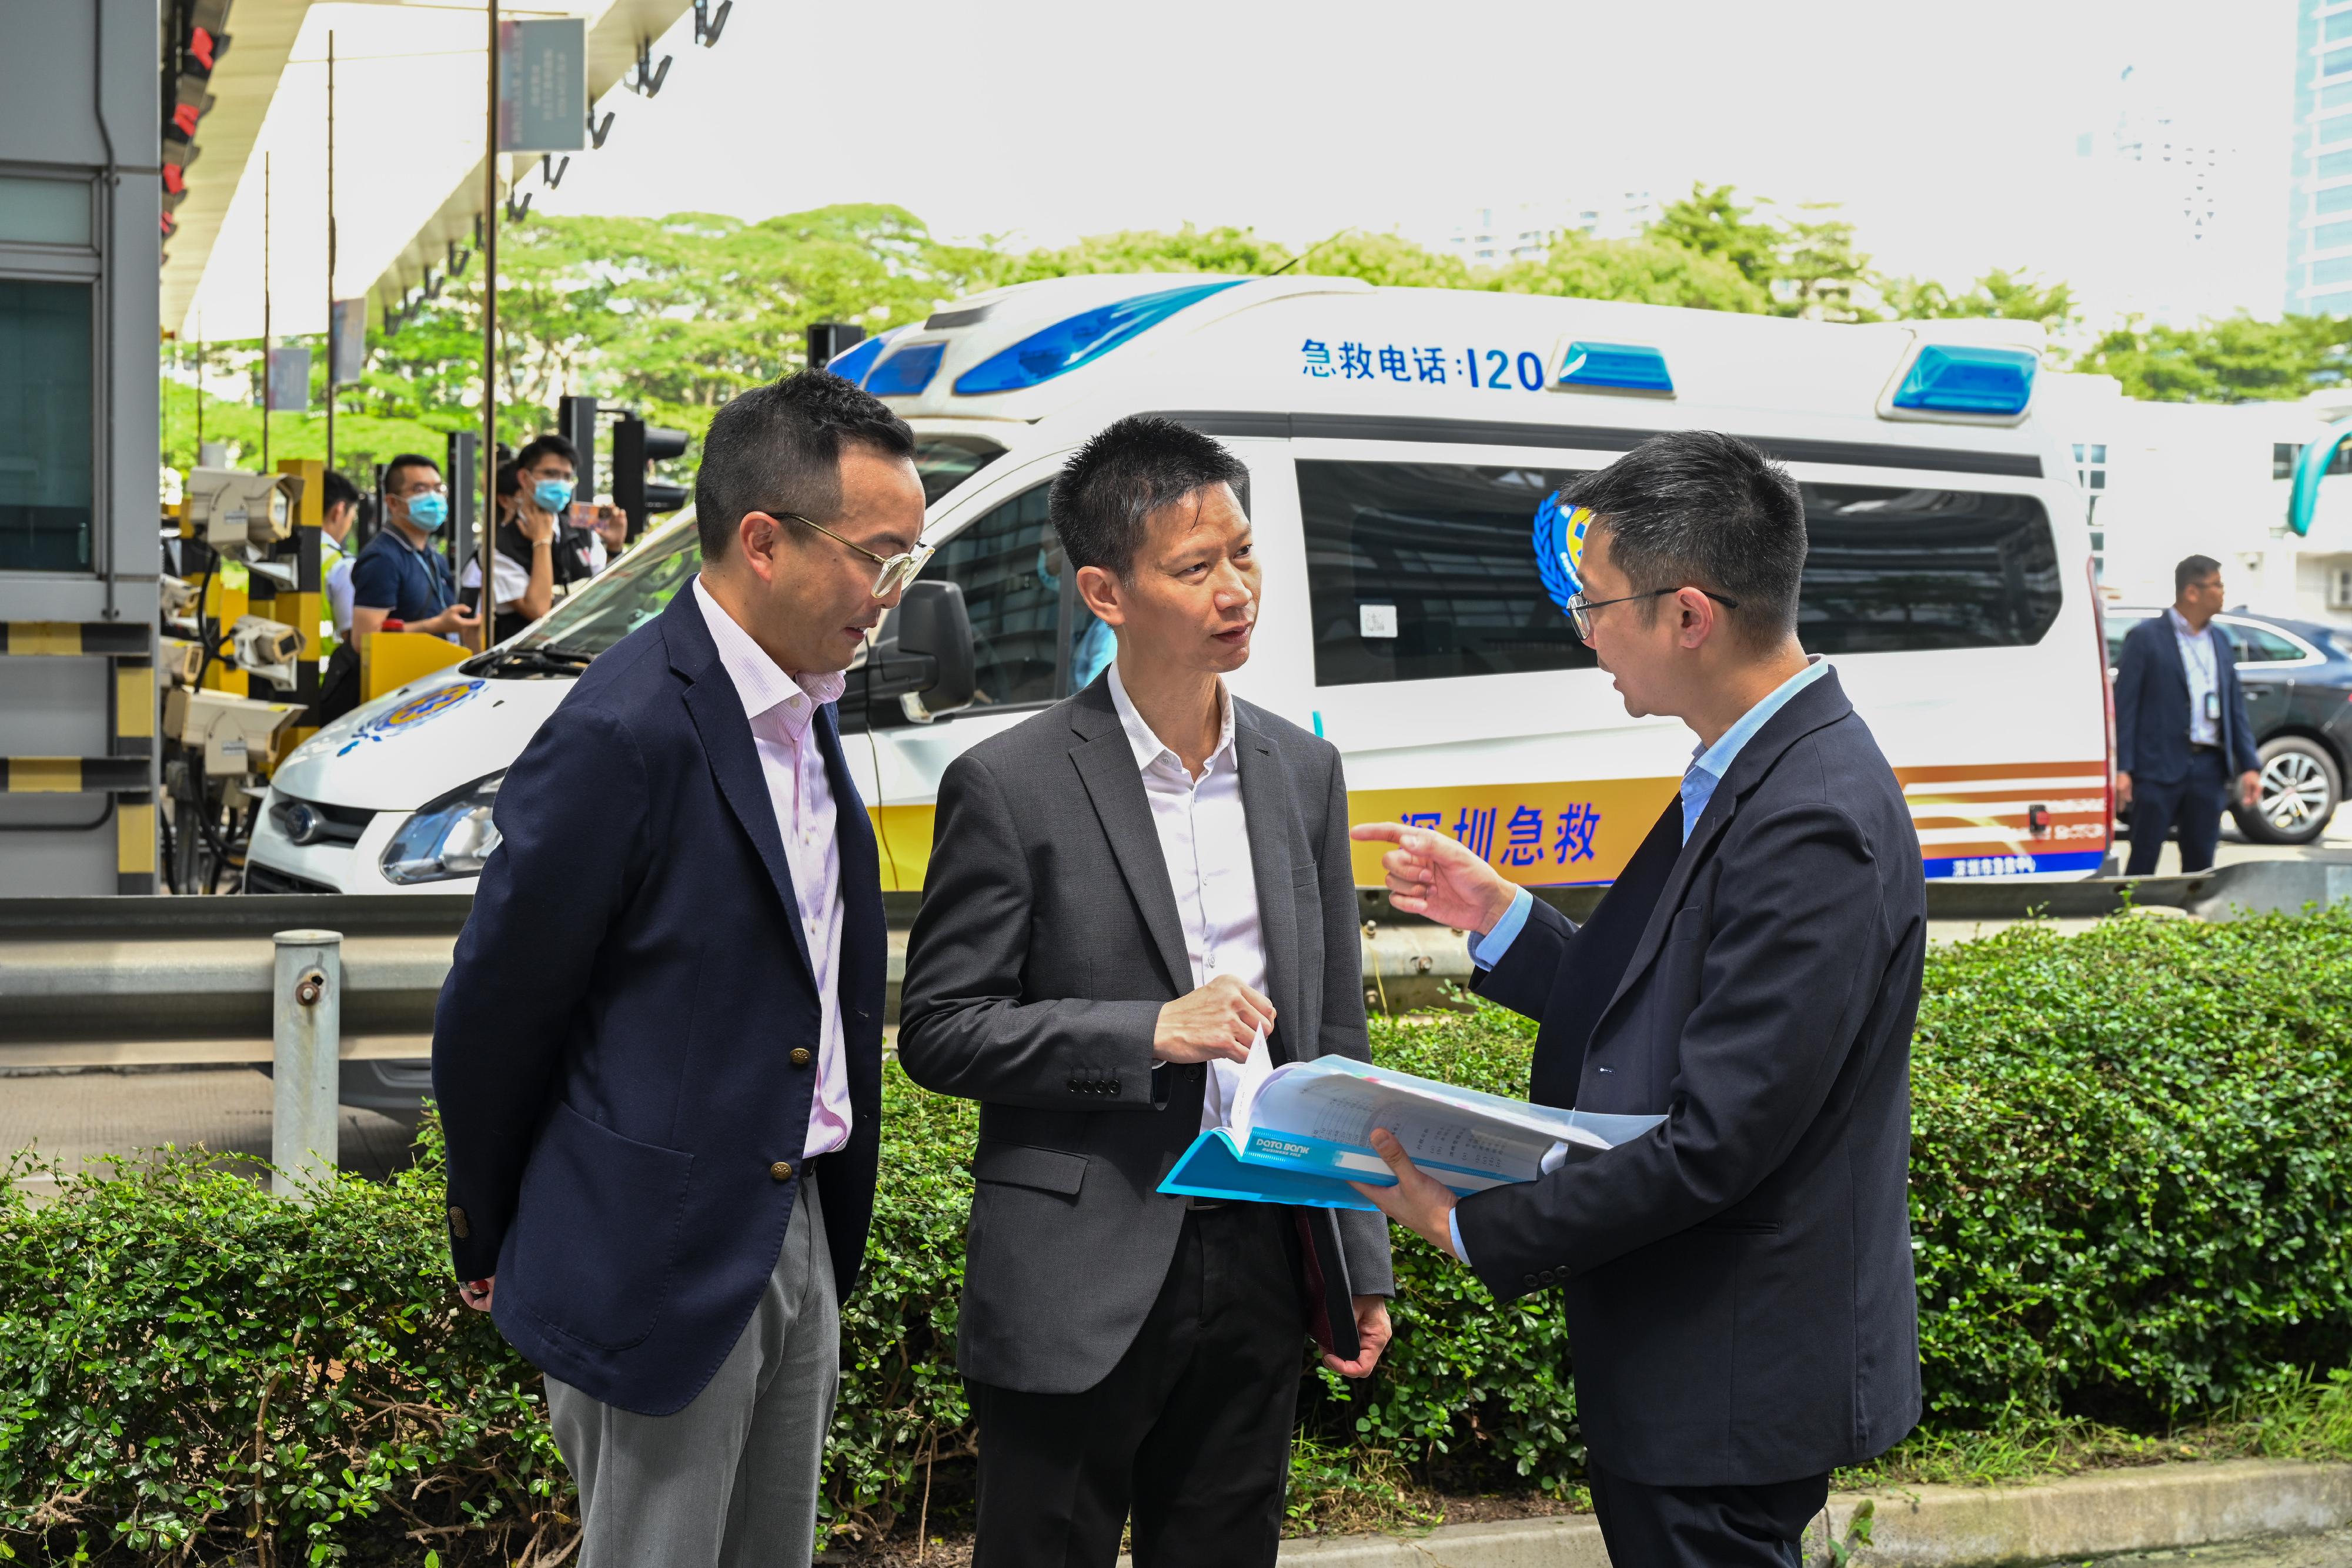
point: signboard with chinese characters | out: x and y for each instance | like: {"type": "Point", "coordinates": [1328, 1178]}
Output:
{"type": "Point", "coordinates": [543, 86]}
{"type": "Point", "coordinates": [1538, 835]}
{"type": "Point", "coordinates": [1455, 365]}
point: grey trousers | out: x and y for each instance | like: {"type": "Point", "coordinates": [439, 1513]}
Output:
{"type": "Point", "coordinates": [730, 1482]}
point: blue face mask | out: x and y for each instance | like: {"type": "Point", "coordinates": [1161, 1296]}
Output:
{"type": "Point", "coordinates": [428, 512]}
{"type": "Point", "coordinates": [553, 494]}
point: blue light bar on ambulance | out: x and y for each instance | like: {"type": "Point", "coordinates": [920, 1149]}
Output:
{"type": "Point", "coordinates": [1614, 367]}
{"type": "Point", "coordinates": [905, 371]}
{"type": "Point", "coordinates": [1953, 378]}
{"type": "Point", "coordinates": [1079, 340]}
{"type": "Point", "coordinates": [853, 365]}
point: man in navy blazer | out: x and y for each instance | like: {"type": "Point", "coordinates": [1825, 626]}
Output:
{"type": "Point", "coordinates": [1738, 1280]}
{"type": "Point", "coordinates": [2181, 728]}
{"type": "Point", "coordinates": [661, 1037]}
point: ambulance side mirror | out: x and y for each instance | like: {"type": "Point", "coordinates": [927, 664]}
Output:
{"type": "Point", "coordinates": [922, 656]}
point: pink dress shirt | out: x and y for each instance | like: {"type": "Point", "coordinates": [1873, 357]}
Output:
{"type": "Point", "coordinates": [781, 709]}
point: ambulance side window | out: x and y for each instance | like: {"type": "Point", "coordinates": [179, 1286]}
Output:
{"type": "Point", "coordinates": [1417, 571]}
{"type": "Point", "coordinates": [1002, 561]}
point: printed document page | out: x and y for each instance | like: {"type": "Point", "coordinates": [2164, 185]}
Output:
{"type": "Point", "coordinates": [1305, 1129]}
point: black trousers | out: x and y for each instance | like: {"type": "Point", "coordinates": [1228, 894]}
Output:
{"type": "Point", "coordinates": [2191, 807]}
{"type": "Point", "coordinates": [1190, 1431]}
{"type": "Point", "coordinates": [1645, 1526]}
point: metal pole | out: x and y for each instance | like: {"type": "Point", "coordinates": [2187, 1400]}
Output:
{"type": "Point", "coordinates": [488, 525]}
{"type": "Point", "coordinates": [331, 247]}
{"type": "Point", "coordinates": [266, 377]}
{"type": "Point", "coordinates": [307, 1027]}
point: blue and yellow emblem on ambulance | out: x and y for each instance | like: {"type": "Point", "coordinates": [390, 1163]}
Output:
{"type": "Point", "coordinates": [1559, 535]}
{"type": "Point", "coordinates": [413, 711]}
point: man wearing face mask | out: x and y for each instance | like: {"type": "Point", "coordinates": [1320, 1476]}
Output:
{"type": "Point", "coordinates": [541, 553]}
{"type": "Point", "coordinates": [399, 577]}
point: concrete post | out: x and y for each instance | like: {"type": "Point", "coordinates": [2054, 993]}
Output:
{"type": "Point", "coordinates": [307, 1014]}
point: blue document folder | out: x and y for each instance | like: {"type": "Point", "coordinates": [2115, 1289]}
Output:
{"type": "Point", "coordinates": [1303, 1133]}
{"type": "Point", "coordinates": [1213, 1168]}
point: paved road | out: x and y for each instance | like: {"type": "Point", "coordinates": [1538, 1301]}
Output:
{"type": "Point", "coordinates": [2335, 844]}
{"type": "Point", "coordinates": [2332, 1550]}
{"type": "Point", "coordinates": [72, 1117]}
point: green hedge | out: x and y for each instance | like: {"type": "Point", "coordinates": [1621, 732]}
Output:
{"type": "Point", "coordinates": [2129, 1186]}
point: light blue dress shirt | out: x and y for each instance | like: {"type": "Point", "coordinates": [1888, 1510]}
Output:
{"type": "Point", "coordinates": [1707, 770]}
{"type": "Point", "coordinates": [2201, 661]}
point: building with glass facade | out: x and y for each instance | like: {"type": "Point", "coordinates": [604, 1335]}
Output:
{"type": "Point", "coordinates": [2319, 202]}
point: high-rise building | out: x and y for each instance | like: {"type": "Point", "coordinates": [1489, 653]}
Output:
{"type": "Point", "coordinates": [2319, 201]}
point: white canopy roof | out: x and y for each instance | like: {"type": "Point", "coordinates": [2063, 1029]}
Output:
{"type": "Point", "coordinates": [411, 79]}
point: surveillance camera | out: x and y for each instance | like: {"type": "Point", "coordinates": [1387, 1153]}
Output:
{"type": "Point", "coordinates": [241, 515]}
{"type": "Point", "coordinates": [265, 648]}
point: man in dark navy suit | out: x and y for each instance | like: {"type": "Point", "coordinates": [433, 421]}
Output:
{"type": "Point", "coordinates": [2181, 728]}
{"type": "Point", "coordinates": [1737, 1281]}
{"type": "Point", "coordinates": [658, 1054]}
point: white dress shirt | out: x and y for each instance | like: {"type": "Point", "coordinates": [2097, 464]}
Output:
{"type": "Point", "coordinates": [783, 711]}
{"type": "Point", "coordinates": [2202, 664]}
{"type": "Point", "coordinates": [1204, 839]}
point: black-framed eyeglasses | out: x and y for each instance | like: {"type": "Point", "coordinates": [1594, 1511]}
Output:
{"type": "Point", "coordinates": [893, 571]}
{"type": "Point", "coordinates": [1581, 608]}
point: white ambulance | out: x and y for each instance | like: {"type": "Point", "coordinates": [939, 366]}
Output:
{"type": "Point", "coordinates": [1401, 444]}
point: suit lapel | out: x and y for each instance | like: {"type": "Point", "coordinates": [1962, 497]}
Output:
{"type": "Point", "coordinates": [1266, 805]}
{"type": "Point", "coordinates": [1822, 703]}
{"type": "Point", "coordinates": [716, 710]}
{"type": "Point", "coordinates": [1106, 764]}
{"type": "Point", "coordinates": [2169, 641]}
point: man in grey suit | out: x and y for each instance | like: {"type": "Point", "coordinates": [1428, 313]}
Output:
{"type": "Point", "coordinates": [1127, 894]}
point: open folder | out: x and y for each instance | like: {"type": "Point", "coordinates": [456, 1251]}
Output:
{"type": "Point", "coordinates": [1299, 1133]}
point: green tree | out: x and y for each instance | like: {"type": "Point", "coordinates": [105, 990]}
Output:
{"type": "Point", "coordinates": [1386, 260]}
{"type": "Point", "coordinates": [1646, 271]}
{"type": "Point", "coordinates": [1819, 274]}
{"type": "Point", "coordinates": [1712, 222]}
{"type": "Point", "coordinates": [364, 434]}
{"type": "Point", "coordinates": [2237, 359]}
{"type": "Point", "coordinates": [2011, 295]}
{"type": "Point", "coordinates": [670, 316]}
{"type": "Point", "coordinates": [1225, 249]}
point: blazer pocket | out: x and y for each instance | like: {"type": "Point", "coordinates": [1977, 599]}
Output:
{"type": "Point", "coordinates": [596, 1230]}
{"type": "Point", "coordinates": [1689, 923]}
{"type": "Point", "coordinates": [1018, 1164]}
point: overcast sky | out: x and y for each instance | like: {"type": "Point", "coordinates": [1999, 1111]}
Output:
{"type": "Point", "coordinates": [1953, 133]}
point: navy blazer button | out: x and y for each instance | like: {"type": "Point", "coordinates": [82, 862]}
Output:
{"type": "Point", "coordinates": [459, 1226]}
{"type": "Point", "coordinates": [801, 1057]}
{"type": "Point", "coordinates": [1528, 1280]}
{"type": "Point", "coordinates": [782, 1170]}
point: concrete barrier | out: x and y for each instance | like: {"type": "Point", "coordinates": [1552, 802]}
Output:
{"type": "Point", "coordinates": [2097, 1515]}
{"type": "Point", "coordinates": [2269, 887]}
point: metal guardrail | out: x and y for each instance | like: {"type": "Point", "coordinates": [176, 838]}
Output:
{"type": "Point", "coordinates": [117, 981]}
{"type": "Point", "coordinates": [97, 982]}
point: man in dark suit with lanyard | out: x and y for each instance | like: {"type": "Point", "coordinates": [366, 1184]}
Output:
{"type": "Point", "coordinates": [2181, 728]}
{"type": "Point", "coordinates": [1737, 1281]}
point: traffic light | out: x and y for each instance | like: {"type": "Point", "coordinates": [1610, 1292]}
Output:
{"type": "Point", "coordinates": [193, 45]}
{"type": "Point", "coordinates": [575, 420]}
{"type": "Point", "coordinates": [637, 445]}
